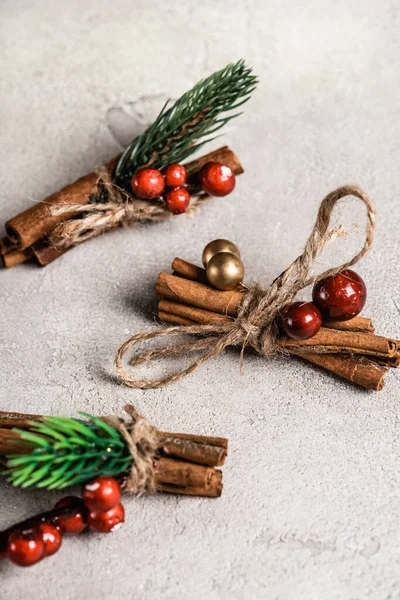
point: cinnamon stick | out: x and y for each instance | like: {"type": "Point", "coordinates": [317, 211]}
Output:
{"type": "Point", "coordinates": [188, 478]}
{"type": "Point", "coordinates": [357, 369]}
{"type": "Point", "coordinates": [197, 294]}
{"type": "Point", "coordinates": [38, 221]}
{"type": "Point", "coordinates": [45, 254]}
{"type": "Point", "coordinates": [209, 451]}
{"type": "Point", "coordinates": [361, 324]}
{"type": "Point", "coordinates": [16, 257]}
{"type": "Point", "coordinates": [6, 245]}
{"type": "Point", "coordinates": [332, 341]}
{"type": "Point", "coordinates": [178, 320]}
{"type": "Point", "coordinates": [191, 314]}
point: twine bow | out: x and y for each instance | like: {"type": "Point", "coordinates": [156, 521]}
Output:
{"type": "Point", "coordinates": [141, 440]}
{"type": "Point", "coordinates": [256, 323]}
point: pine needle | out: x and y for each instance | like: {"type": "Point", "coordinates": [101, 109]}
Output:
{"type": "Point", "coordinates": [65, 452]}
{"type": "Point", "coordinates": [183, 128]}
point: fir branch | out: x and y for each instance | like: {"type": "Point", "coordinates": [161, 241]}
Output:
{"type": "Point", "coordinates": [183, 128]}
{"type": "Point", "coordinates": [65, 452]}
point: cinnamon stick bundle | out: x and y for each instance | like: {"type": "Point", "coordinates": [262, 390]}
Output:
{"type": "Point", "coordinates": [349, 349]}
{"type": "Point", "coordinates": [28, 231]}
{"type": "Point", "coordinates": [184, 464]}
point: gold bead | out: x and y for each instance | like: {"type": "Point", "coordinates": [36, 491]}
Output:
{"type": "Point", "coordinates": [224, 271]}
{"type": "Point", "coordinates": [217, 246]}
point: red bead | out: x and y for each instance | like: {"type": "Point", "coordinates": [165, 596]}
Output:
{"type": "Point", "coordinates": [101, 493]}
{"type": "Point", "coordinates": [175, 175]}
{"type": "Point", "coordinates": [217, 179]}
{"type": "Point", "coordinates": [52, 538]}
{"type": "Point", "coordinates": [25, 548]}
{"type": "Point", "coordinates": [177, 200]}
{"type": "Point", "coordinates": [75, 522]}
{"type": "Point", "coordinates": [108, 521]}
{"type": "Point", "coordinates": [148, 183]}
{"type": "Point", "coordinates": [301, 320]}
{"type": "Point", "coordinates": [340, 297]}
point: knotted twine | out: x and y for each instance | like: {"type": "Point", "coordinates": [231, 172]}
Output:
{"type": "Point", "coordinates": [121, 209]}
{"type": "Point", "coordinates": [256, 323]}
{"type": "Point", "coordinates": [141, 439]}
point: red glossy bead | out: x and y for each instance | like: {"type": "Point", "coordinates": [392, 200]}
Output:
{"type": "Point", "coordinates": [217, 179]}
{"type": "Point", "coordinates": [301, 320]}
{"type": "Point", "coordinates": [177, 200]}
{"type": "Point", "coordinates": [75, 522]}
{"type": "Point", "coordinates": [108, 521]}
{"type": "Point", "coordinates": [340, 297]}
{"type": "Point", "coordinates": [148, 183]}
{"type": "Point", "coordinates": [175, 175]}
{"type": "Point", "coordinates": [52, 538]}
{"type": "Point", "coordinates": [25, 548]}
{"type": "Point", "coordinates": [101, 493]}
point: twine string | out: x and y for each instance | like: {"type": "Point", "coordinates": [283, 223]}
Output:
{"type": "Point", "coordinates": [256, 323]}
{"type": "Point", "coordinates": [121, 209]}
{"type": "Point", "coordinates": [141, 440]}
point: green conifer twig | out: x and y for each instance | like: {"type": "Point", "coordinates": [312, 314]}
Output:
{"type": "Point", "coordinates": [65, 452]}
{"type": "Point", "coordinates": [183, 128]}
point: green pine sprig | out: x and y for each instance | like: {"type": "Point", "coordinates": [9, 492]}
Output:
{"type": "Point", "coordinates": [183, 128]}
{"type": "Point", "coordinates": [64, 452]}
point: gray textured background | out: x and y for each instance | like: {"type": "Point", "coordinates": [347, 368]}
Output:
{"type": "Point", "coordinates": [310, 507]}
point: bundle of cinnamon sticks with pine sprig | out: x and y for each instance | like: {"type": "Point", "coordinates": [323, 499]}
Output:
{"type": "Point", "coordinates": [148, 182]}
{"type": "Point", "coordinates": [59, 452]}
{"type": "Point", "coordinates": [350, 349]}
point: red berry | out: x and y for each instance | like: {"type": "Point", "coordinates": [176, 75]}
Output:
{"type": "Point", "coordinates": [52, 538]}
{"type": "Point", "coordinates": [217, 179]}
{"type": "Point", "coordinates": [340, 297]}
{"type": "Point", "coordinates": [301, 320]}
{"type": "Point", "coordinates": [178, 200]}
{"type": "Point", "coordinates": [148, 183]}
{"type": "Point", "coordinates": [74, 522]}
{"type": "Point", "coordinates": [108, 521]}
{"type": "Point", "coordinates": [25, 548]}
{"type": "Point", "coordinates": [175, 175]}
{"type": "Point", "coordinates": [101, 493]}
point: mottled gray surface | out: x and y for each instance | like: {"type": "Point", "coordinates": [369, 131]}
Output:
{"type": "Point", "coordinates": [310, 508]}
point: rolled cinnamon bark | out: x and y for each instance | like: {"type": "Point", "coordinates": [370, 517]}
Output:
{"type": "Point", "coordinates": [45, 254]}
{"type": "Point", "coordinates": [16, 257]}
{"type": "Point", "coordinates": [209, 451]}
{"type": "Point", "coordinates": [357, 369]}
{"type": "Point", "coordinates": [38, 221]}
{"type": "Point", "coordinates": [192, 314]}
{"type": "Point", "coordinates": [353, 342]}
{"type": "Point", "coordinates": [197, 294]}
{"type": "Point", "coordinates": [6, 245]}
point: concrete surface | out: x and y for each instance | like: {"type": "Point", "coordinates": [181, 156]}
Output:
{"type": "Point", "coordinates": [310, 508]}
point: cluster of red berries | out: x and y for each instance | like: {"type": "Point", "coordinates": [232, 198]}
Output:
{"type": "Point", "coordinates": [171, 184]}
{"type": "Point", "coordinates": [337, 298]}
{"type": "Point", "coordinates": [100, 509]}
